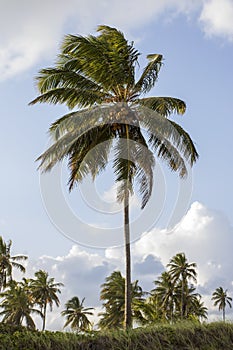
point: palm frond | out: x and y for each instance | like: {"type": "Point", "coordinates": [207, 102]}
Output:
{"type": "Point", "coordinates": [150, 74]}
{"type": "Point", "coordinates": [93, 55]}
{"type": "Point", "coordinates": [112, 58]}
{"type": "Point", "coordinates": [164, 105]}
{"type": "Point", "coordinates": [167, 131]}
{"type": "Point", "coordinates": [89, 155]}
{"type": "Point", "coordinates": [72, 97]}
{"type": "Point", "coordinates": [18, 266]}
{"type": "Point", "coordinates": [125, 55]}
{"type": "Point", "coordinates": [187, 146]}
{"type": "Point", "coordinates": [167, 152]}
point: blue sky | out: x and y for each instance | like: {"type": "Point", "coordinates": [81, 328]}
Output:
{"type": "Point", "coordinates": [196, 40]}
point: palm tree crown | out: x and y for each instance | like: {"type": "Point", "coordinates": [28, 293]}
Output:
{"type": "Point", "coordinates": [18, 305]}
{"type": "Point", "coordinates": [44, 292]}
{"type": "Point", "coordinates": [180, 268]}
{"type": "Point", "coordinates": [7, 262]}
{"type": "Point", "coordinates": [113, 295]}
{"type": "Point", "coordinates": [77, 315]}
{"type": "Point", "coordinates": [97, 76]}
{"type": "Point", "coordinates": [221, 299]}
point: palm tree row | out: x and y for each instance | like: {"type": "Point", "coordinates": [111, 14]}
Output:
{"type": "Point", "coordinates": [173, 298]}
{"type": "Point", "coordinates": [20, 300]}
{"type": "Point", "coordinates": [29, 296]}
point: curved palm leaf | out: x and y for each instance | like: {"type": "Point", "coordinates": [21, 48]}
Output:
{"type": "Point", "coordinates": [150, 74]}
{"type": "Point", "coordinates": [164, 105]}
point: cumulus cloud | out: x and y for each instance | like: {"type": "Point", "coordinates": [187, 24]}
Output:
{"type": "Point", "coordinates": [28, 33]}
{"type": "Point", "coordinates": [216, 18]}
{"type": "Point", "coordinates": [80, 271]}
{"type": "Point", "coordinates": [32, 31]}
{"type": "Point", "coordinates": [204, 235]}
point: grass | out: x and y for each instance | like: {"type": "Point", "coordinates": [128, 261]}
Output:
{"type": "Point", "coordinates": [180, 336]}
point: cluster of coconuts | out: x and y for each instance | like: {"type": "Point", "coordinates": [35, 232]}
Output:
{"type": "Point", "coordinates": [122, 116]}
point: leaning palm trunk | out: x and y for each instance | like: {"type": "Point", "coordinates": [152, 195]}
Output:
{"type": "Point", "coordinates": [128, 312]}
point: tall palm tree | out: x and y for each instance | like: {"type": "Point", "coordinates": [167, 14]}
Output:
{"type": "Point", "coordinates": [221, 299]}
{"type": "Point", "coordinates": [165, 294]}
{"type": "Point", "coordinates": [113, 295]}
{"type": "Point", "coordinates": [180, 268]}
{"type": "Point", "coordinates": [96, 75]}
{"type": "Point", "coordinates": [7, 262]}
{"type": "Point", "coordinates": [77, 315]}
{"type": "Point", "coordinates": [44, 292]}
{"type": "Point", "coordinates": [18, 306]}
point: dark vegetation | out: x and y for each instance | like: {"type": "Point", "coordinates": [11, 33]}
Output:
{"type": "Point", "coordinates": [185, 336]}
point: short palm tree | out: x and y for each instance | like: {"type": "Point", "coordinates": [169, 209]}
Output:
{"type": "Point", "coordinates": [113, 295]}
{"type": "Point", "coordinates": [44, 292]}
{"type": "Point", "coordinates": [188, 296]}
{"type": "Point", "coordinates": [221, 299]}
{"type": "Point", "coordinates": [196, 308]}
{"type": "Point", "coordinates": [18, 306]}
{"type": "Point", "coordinates": [77, 315]}
{"type": "Point", "coordinates": [165, 295]}
{"type": "Point", "coordinates": [7, 262]}
{"type": "Point", "coordinates": [96, 75]}
{"type": "Point", "coordinates": [180, 268]}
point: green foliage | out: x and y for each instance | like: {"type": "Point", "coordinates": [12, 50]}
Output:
{"type": "Point", "coordinates": [174, 297]}
{"type": "Point", "coordinates": [77, 315]}
{"type": "Point", "coordinates": [221, 299]}
{"type": "Point", "coordinates": [113, 295]}
{"type": "Point", "coordinates": [100, 71]}
{"type": "Point", "coordinates": [182, 336]}
{"type": "Point", "coordinates": [7, 262]}
{"type": "Point", "coordinates": [44, 290]}
{"type": "Point", "coordinates": [17, 305]}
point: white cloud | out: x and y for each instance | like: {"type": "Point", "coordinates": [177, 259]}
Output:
{"type": "Point", "coordinates": [216, 18]}
{"type": "Point", "coordinates": [30, 32]}
{"type": "Point", "coordinates": [80, 271]}
{"type": "Point", "coordinates": [204, 235]}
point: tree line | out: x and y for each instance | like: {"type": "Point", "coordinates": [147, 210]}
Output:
{"type": "Point", "coordinates": [174, 297]}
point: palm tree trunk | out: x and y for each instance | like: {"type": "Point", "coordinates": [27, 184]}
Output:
{"type": "Point", "coordinates": [223, 314]}
{"type": "Point", "coordinates": [44, 316]}
{"type": "Point", "coordinates": [182, 298]}
{"type": "Point", "coordinates": [128, 312]}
